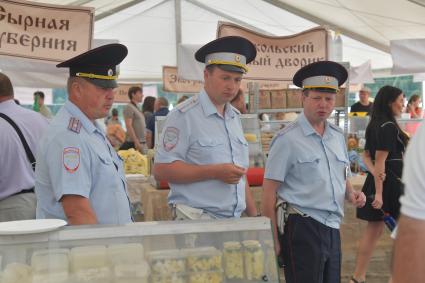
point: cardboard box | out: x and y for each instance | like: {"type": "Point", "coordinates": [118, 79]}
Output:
{"type": "Point", "coordinates": [293, 98]}
{"type": "Point", "coordinates": [264, 101]}
{"type": "Point", "coordinates": [340, 98]}
{"type": "Point", "coordinates": [278, 97]}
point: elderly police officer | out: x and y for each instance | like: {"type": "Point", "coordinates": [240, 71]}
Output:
{"type": "Point", "coordinates": [203, 153]}
{"type": "Point", "coordinates": [79, 176]}
{"type": "Point", "coordinates": [307, 167]}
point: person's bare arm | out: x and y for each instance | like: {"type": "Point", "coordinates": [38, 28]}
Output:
{"type": "Point", "coordinates": [268, 204]}
{"type": "Point", "coordinates": [368, 162]}
{"type": "Point", "coordinates": [180, 172]}
{"type": "Point", "coordinates": [251, 209]}
{"type": "Point", "coordinates": [78, 210]}
{"type": "Point", "coordinates": [149, 140]}
{"type": "Point", "coordinates": [132, 134]}
{"type": "Point", "coordinates": [409, 251]}
{"type": "Point", "coordinates": [380, 157]}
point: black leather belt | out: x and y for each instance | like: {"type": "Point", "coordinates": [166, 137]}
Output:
{"type": "Point", "coordinates": [25, 191]}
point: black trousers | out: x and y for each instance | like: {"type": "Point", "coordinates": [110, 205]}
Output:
{"type": "Point", "coordinates": [311, 251]}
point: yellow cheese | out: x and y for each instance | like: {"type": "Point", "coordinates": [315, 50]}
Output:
{"type": "Point", "coordinates": [250, 137]}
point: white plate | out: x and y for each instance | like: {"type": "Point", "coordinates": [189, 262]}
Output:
{"type": "Point", "coordinates": [30, 226]}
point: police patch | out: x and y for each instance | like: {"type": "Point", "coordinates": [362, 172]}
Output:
{"type": "Point", "coordinates": [71, 159]}
{"type": "Point", "coordinates": [171, 138]}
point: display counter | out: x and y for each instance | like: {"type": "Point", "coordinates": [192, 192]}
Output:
{"type": "Point", "coordinates": [234, 250]}
{"type": "Point", "coordinates": [155, 202]}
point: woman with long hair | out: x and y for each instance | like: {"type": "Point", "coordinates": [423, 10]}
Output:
{"type": "Point", "coordinates": [148, 107]}
{"type": "Point", "coordinates": [383, 157]}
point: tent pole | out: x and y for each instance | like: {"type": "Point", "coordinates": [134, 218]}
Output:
{"type": "Point", "coordinates": [178, 23]}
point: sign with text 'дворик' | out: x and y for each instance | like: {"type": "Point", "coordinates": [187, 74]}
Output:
{"type": "Point", "coordinates": [44, 32]}
{"type": "Point", "coordinates": [279, 58]}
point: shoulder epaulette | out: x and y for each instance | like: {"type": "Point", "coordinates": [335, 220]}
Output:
{"type": "Point", "coordinates": [236, 110]}
{"type": "Point", "coordinates": [287, 128]}
{"type": "Point", "coordinates": [336, 128]}
{"type": "Point", "coordinates": [188, 104]}
{"type": "Point", "coordinates": [74, 125]}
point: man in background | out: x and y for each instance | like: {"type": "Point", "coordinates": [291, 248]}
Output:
{"type": "Point", "coordinates": [17, 198]}
{"type": "Point", "coordinates": [39, 104]}
{"type": "Point", "coordinates": [364, 105]}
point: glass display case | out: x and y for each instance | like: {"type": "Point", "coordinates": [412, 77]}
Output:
{"type": "Point", "coordinates": [204, 251]}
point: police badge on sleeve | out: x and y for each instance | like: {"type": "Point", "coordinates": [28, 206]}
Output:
{"type": "Point", "coordinates": [71, 159]}
{"type": "Point", "coordinates": [171, 138]}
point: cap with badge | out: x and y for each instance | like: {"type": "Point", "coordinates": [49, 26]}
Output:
{"type": "Point", "coordinates": [324, 76]}
{"type": "Point", "coordinates": [99, 65]}
{"type": "Point", "coordinates": [229, 53]}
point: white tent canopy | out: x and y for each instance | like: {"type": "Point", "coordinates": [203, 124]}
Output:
{"type": "Point", "coordinates": [152, 29]}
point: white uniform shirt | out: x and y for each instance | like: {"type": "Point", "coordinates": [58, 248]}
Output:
{"type": "Point", "coordinates": [413, 200]}
{"type": "Point", "coordinates": [16, 173]}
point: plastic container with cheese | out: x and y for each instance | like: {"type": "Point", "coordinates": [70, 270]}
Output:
{"type": "Point", "coordinates": [90, 264]}
{"type": "Point", "coordinates": [203, 259]}
{"type": "Point", "coordinates": [128, 263]}
{"type": "Point", "coordinates": [50, 266]}
{"type": "Point", "coordinates": [167, 262]}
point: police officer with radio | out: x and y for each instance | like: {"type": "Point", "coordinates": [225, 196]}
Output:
{"type": "Point", "coordinates": [306, 178]}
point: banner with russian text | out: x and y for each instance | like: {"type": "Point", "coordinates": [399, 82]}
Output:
{"type": "Point", "coordinates": [44, 32]}
{"type": "Point", "coordinates": [278, 58]}
{"type": "Point", "coordinates": [173, 83]}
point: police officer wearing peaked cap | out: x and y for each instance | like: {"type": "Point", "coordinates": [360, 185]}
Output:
{"type": "Point", "coordinates": [203, 153]}
{"type": "Point", "coordinates": [79, 176]}
{"type": "Point", "coordinates": [307, 169]}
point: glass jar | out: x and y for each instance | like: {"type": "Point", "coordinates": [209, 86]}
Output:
{"type": "Point", "coordinates": [233, 260]}
{"type": "Point", "coordinates": [254, 260]}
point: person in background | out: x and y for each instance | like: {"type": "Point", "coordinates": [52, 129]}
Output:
{"type": "Point", "coordinates": [148, 107]}
{"type": "Point", "coordinates": [383, 157]}
{"type": "Point", "coordinates": [364, 105]}
{"type": "Point", "coordinates": [134, 121]}
{"type": "Point", "coordinates": [203, 153]}
{"type": "Point", "coordinates": [79, 176]}
{"type": "Point", "coordinates": [409, 249]}
{"type": "Point", "coordinates": [161, 109]}
{"type": "Point", "coordinates": [413, 107]}
{"type": "Point", "coordinates": [114, 130]}
{"type": "Point", "coordinates": [17, 179]}
{"type": "Point", "coordinates": [239, 102]}
{"type": "Point", "coordinates": [113, 119]}
{"type": "Point", "coordinates": [39, 104]}
{"type": "Point", "coordinates": [181, 99]}
{"type": "Point", "coordinates": [306, 179]}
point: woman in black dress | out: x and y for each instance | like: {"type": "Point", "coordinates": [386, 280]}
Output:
{"type": "Point", "coordinates": [385, 145]}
